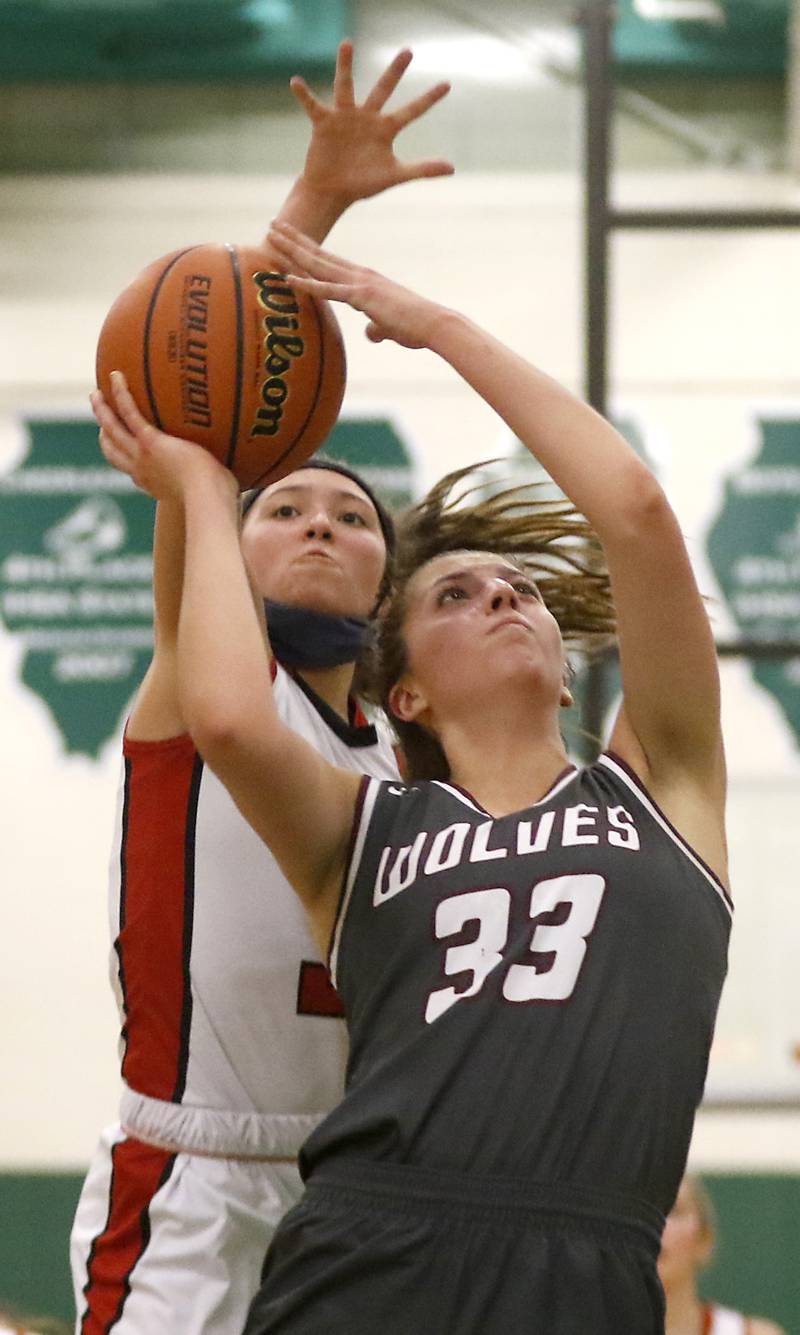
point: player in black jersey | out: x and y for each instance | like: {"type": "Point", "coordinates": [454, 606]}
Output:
{"type": "Point", "coordinates": [530, 955]}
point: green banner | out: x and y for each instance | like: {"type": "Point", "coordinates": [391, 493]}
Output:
{"type": "Point", "coordinates": [377, 448]}
{"type": "Point", "coordinates": [754, 549]}
{"type": "Point", "coordinates": [75, 579]}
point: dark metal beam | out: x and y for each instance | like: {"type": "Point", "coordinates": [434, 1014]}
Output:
{"type": "Point", "coordinates": [761, 650]}
{"type": "Point", "coordinates": [702, 219]}
{"type": "Point", "coordinates": [596, 17]}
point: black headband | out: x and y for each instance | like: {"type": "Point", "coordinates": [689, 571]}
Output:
{"type": "Point", "coordinates": [333, 466]}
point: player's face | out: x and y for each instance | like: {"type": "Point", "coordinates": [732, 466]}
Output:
{"type": "Point", "coordinates": [313, 540]}
{"type": "Point", "coordinates": [476, 624]}
{"type": "Point", "coordinates": [686, 1243]}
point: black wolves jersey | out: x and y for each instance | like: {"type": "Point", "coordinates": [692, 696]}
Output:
{"type": "Point", "coordinates": [532, 996]}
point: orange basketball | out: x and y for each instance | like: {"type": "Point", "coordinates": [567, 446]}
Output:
{"type": "Point", "coordinates": [219, 349]}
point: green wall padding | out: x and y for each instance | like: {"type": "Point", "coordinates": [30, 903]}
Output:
{"type": "Point", "coordinates": [757, 1264]}
{"type": "Point", "coordinates": [36, 1211]}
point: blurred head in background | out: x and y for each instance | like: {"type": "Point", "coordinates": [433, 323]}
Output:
{"type": "Point", "coordinates": [689, 1235]}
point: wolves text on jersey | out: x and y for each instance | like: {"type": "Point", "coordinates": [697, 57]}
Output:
{"type": "Point", "coordinates": [463, 842]}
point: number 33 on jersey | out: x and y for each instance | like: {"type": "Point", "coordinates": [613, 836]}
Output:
{"type": "Point", "coordinates": [514, 905]}
{"type": "Point", "coordinates": [564, 909]}
{"type": "Point", "coordinates": [568, 957]}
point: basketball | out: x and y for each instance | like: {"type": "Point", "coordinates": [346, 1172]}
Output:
{"type": "Point", "coordinates": [217, 348]}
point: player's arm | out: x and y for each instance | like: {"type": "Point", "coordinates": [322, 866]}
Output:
{"type": "Point", "coordinates": [669, 664]}
{"type": "Point", "coordinates": [156, 710]}
{"type": "Point", "coordinates": [667, 654]}
{"type": "Point", "coordinates": [350, 157]}
{"type": "Point", "coordinates": [301, 805]}
{"type": "Point", "coordinates": [758, 1325]}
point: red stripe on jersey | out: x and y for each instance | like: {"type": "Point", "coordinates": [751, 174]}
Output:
{"type": "Point", "coordinates": [138, 1171]}
{"type": "Point", "coordinates": [156, 913]}
{"type": "Point", "coordinates": [358, 718]}
{"type": "Point", "coordinates": [316, 994]}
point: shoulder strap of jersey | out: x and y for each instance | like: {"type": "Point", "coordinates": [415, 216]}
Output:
{"type": "Point", "coordinates": [613, 763]}
{"type": "Point", "coordinates": [368, 793]}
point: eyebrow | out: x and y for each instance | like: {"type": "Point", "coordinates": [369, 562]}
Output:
{"type": "Point", "coordinates": [470, 570]}
{"type": "Point", "coordinates": [341, 495]}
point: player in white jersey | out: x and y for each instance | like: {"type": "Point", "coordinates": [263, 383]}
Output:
{"type": "Point", "coordinates": [232, 1045]}
{"type": "Point", "coordinates": [686, 1247]}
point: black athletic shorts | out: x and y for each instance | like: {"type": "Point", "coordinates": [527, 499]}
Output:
{"type": "Point", "coordinates": [377, 1249]}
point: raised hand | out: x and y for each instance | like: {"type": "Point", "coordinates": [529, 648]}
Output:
{"type": "Point", "coordinates": [351, 155]}
{"type": "Point", "coordinates": [392, 311]}
{"type": "Point", "coordinates": [160, 464]}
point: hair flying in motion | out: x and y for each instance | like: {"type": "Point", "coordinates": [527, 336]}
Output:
{"type": "Point", "coordinates": [547, 538]}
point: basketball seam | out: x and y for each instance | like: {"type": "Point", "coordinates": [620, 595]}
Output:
{"type": "Point", "coordinates": [237, 403]}
{"type": "Point", "coordinates": [146, 334]}
{"type": "Point", "coordinates": [276, 463]}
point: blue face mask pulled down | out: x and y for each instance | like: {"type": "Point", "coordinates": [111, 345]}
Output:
{"type": "Point", "coordinates": [301, 638]}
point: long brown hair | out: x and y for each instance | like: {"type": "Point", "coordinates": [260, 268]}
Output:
{"type": "Point", "coordinates": [546, 537]}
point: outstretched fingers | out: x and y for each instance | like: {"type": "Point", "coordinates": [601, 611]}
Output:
{"type": "Point", "coordinates": [323, 289]}
{"type": "Point", "coordinates": [305, 254]}
{"type": "Point", "coordinates": [312, 106]}
{"type": "Point", "coordinates": [413, 171]}
{"type": "Point", "coordinates": [379, 95]}
{"type": "Point", "coordinates": [419, 105]}
{"type": "Point", "coordinates": [343, 87]}
{"type": "Point", "coordinates": [314, 270]}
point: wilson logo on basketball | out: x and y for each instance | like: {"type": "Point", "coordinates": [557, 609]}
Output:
{"type": "Point", "coordinates": [218, 348]}
{"type": "Point", "coordinates": [281, 344]}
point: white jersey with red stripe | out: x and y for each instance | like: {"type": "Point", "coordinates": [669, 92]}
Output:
{"type": "Point", "coordinates": [224, 1003]}
{"type": "Point", "coordinates": [232, 1043]}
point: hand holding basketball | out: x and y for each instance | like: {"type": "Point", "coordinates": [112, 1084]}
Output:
{"type": "Point", "coordinates": [161, 465]}
{"type": "Point", "coordinates": [217, 348]}
{"type": "Point", "coordinates": [393, 312]}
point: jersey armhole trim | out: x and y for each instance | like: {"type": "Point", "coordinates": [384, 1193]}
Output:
{"type": "Point", "coordinates": [610, 760]}
{"type": "Point", "coordinates": [181, 743]}
{"type": "Point", "coordinates": [365, 802]}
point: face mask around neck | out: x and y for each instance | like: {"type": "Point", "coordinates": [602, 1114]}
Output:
{"type": "Point", "coordinates": [301, 638]}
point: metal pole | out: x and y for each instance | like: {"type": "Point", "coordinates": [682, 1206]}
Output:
{"type": "Point", "coordinates": [597, 19]}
